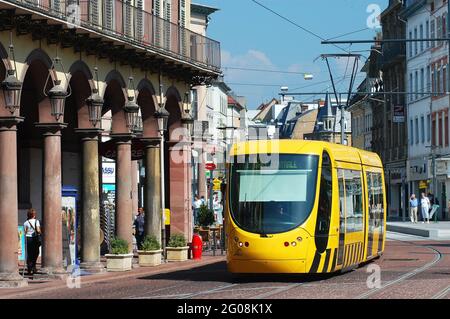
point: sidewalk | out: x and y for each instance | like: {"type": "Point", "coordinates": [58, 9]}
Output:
{"type": "Point", "coordinates": [439, 230]}
{"type": "Point", "coordinates": [40, 285]}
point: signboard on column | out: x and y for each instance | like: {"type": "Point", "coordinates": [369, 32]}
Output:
{"type": "Point", "coordinates": [399, 114]}
{"type": "Point", "coordinates": [69, 226]}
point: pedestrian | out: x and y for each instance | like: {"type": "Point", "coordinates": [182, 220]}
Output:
{"type": "Point", "coordinates": [196, 205]}
{"type": "Point", "coordinates": [32, 233]}
{"type": "Point", "coordinates": [217, 206]}
{"type": "Point", "coordinates": [202, 198]}
{"type": "Point", "coordinates": [139, 228]}
{"type": "Point", "coordinates": [425, 203]}
{"type": "Point", "coordinates": [413, 204]}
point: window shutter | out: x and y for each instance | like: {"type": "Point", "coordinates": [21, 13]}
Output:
{"type": "Point", "coordinates": [157, 8]}
{"type": "Point", "coordinates": [109, 14]}
{"type": "Point", "coordinates": [93, 11]}
{"type": "Point", "coordinates": [167, 17]}
{"type": "Point", "coordinates": [139, 19]}
{"type": "Point", "coordinates": [56, 6]}
{"type": "Point", "coordinates": [127, 27]}
{"type": "Point", "coordinates": [182, 22]}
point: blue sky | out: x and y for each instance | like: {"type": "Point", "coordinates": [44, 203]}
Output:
{"type": "Point", "coordinates": [252, 37]}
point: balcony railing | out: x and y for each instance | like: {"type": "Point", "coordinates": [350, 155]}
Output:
{"type": "Point", "coordinates": [129, 23]}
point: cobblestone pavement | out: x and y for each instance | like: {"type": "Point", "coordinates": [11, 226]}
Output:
{"type": "Point", "coordinates": [410, 268]}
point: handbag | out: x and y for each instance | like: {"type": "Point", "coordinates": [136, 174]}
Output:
{"type": "Point", "coordinates": [37, 234]}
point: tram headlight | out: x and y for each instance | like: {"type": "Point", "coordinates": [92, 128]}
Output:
{"type": "Point", "coordinates": [286, 244]}
{"type": "Point", "coordinates": [246, 244]}
{"type": "Point", "coordinates": [236, 239]}
{"type": "Point", "coordinates": [294, 244]}
{"type": "Point", "coordinates": [241, 244]}
{"type": "Point", "coordinates": [299, 238]}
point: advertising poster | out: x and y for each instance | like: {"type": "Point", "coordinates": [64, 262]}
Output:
{"type": "Point", "coordinates": [21, 243]}
{"type": "Point", "coordinates": [69, 230]}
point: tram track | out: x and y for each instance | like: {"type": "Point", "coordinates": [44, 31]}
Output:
{"type": "Point", "coordinates": [437, 258]}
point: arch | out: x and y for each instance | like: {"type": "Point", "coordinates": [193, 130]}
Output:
{"type": "Point", "coordinates": [4, 57]}
{"type": "Point", "coordinates": [115, 75]}
{"type": "Point", "coordinates": [39, 55]}
{"type": "Point", "coordinates": [174, 106]}
{"type": "Point", "coordinates": [146, 99]}
{"type": "Point", "coordinates": [82, 67]}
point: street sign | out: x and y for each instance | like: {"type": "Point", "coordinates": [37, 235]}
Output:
{"type": "Point", "coordinates": [210, 166]}
{"type": "Point", "coordinates": [399, 114]}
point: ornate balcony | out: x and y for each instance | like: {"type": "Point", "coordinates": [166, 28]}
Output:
{"type": "Point", "coordinates": [125, 23]}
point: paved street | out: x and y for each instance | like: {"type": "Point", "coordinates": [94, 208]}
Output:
{"type": "Point", "coordinates": [410, 268]}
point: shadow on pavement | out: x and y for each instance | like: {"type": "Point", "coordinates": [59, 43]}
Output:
{"type": "Point", "coordinates": [217, 272]}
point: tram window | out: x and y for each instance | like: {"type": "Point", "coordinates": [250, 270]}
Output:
{"type": "Point", "coordinates": [376, 209]}
{"type": "Point", "coordinates": [273, 197]}
{"type": "Point", "coordinates": [351, 199]}
{"type": "Point", "coordinates": [341, 200]}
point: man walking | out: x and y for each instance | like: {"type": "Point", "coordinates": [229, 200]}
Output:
{"type": "Point", "coordinates": [413, 204]}
{"type": "Point", "coordinates": [139, 228]}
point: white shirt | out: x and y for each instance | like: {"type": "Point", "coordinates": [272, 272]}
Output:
{"type": "Point", "coordinates": [425, 202]}
{"type": "Point", "coordinates": [29, 230]}
{"type": "Point", "coordinates": [197, 203]}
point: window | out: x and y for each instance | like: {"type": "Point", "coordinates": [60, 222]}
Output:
{"type": "Point", "coordinates": [433, 130]}
{"type": "Point", "coordinates": [428, 127]}
{"type": "Point", "coordinates": [263, 199]}
{"type": "Point", "coordinates": [410, 87]}
{"type": "Point", "coordinates": [446, 128]}
{"type": "Point", "coordinates": [415, 42]}
{"type": "Point", "coordinates": [439, 30]}
{"type": "Point", "coordinates": [351, 205]}
{"type": "Point", "coordinates": [422, 129]}
{"type": "Point", "coordinates": [417, 130]}
{"type": "Point", "coordinates": [427, 27]}
{"type": "Point", "coordinates": [411, 131]}
{"type": "Point", "coordinates": [438, 79]}
{"type": "Point", "coordinates": [422, 82]}
{"type": "Point", "coordinates": [433, 80]}
{"type": "Point", "coordinates": [376, 206]}
{"type": "Point", "coordinates": [410, 44]}
{"type": "Point", "coordinates": [439, 119]}
{"type": "Point", "coordinates": [444, 79]}
{"type": "Point", "coordinates": [421, 36]}
{"type": "Point", "coordinates": [433, 32]}
{"type": "Point", "coordinates": [416, 85]}
{"type": "Point", "coordinates": [428, 79]}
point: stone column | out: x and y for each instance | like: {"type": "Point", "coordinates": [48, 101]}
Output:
{"type": "Point", "coordinates": [9, 274]}
{"type": "Point", "coordinates": [180, 190]}
{"type": "Point", "coordinates": [152, 191]}
{"type": "Point", "coordinates": [52, 218]}
{"type": "Point", "coordinates": [124, 205]}
{"type": "Point", "coordinates": [90, 216]}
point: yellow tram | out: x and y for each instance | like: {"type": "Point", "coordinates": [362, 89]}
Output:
{"type": "Point", "coordinates": [303, 207]}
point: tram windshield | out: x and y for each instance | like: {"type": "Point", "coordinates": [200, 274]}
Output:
{"type": "Point", "coordinates": [274, 194]}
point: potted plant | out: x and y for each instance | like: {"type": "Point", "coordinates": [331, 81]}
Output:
{"type": "Point", "coordinates": [120, 258]}
{"type": "Point", "coordinates": [150, 255]}
{"type": "Point", "coordinates": [205, 217]}
{"type": "Point", "coordinates": [177, 250]}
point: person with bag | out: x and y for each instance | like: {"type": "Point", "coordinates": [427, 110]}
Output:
{"type": "Point", "coordinates": [33, 238]}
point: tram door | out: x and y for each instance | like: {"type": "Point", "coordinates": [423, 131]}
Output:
{"type": "Point", "coordinates": [351, 232]}
{"type": "Point", "coordinates": [376, 213]}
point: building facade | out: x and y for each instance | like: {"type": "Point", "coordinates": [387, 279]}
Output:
{"type": "Point", "coordinates": [122, 54]}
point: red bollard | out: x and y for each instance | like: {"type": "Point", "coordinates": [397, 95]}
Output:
{"type": "Point", "coordinates": [197, 247]}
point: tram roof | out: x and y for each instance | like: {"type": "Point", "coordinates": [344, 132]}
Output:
{"type": "Point", "coordinates": [339, 152]}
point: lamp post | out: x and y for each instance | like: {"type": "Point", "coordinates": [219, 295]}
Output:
{"type": "Point", "coordinates": [162, 116]}
{"type": "Point", "coordinates": [12, 88]}
{"type": "Point", "coordinates": [95, 105]}
{"type": "Point", "coordinates": [131, 110]}
{"type": "Point", "coordinates": [57, 93]}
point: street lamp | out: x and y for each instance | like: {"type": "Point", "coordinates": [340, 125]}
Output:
{"type": "Point", "coordinates": [162, 116]}
{"type": "Point", "coordinates": [95, 104]}
{"type": "Point", "coordinates": [11, 86]}
{"type": "Point", "coordinates": [131, 110]}
{"type": "Point", "coordinates": [57, 93]}
{"type": "Point", "coordinates": [188, 120]}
